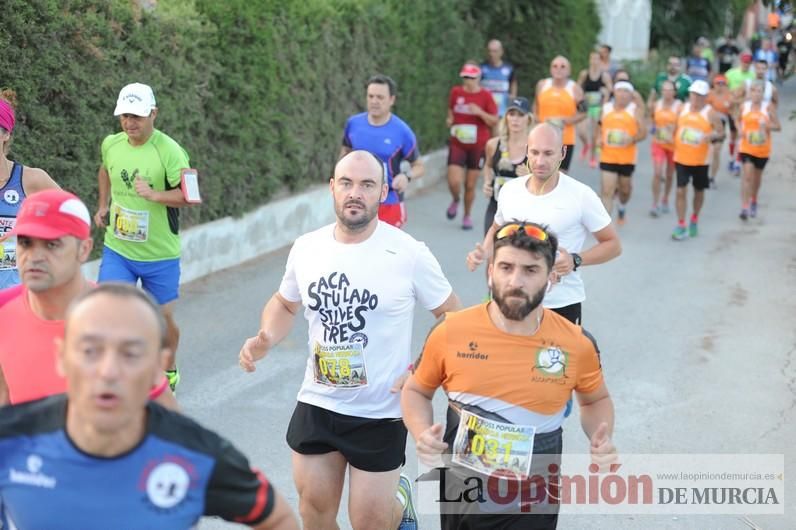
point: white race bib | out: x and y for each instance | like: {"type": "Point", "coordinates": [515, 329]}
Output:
{"type": "Point", "coordinates": [466, 133]}
{"type": "Point", "coordinates": [130, 225]}
{"type": "Point", "coordinates": [340, 365]}
{"type": "Point", "coordinates": [691, 136]}
{"type": "Point", "coordinates": [9, 258]}
{"type": "Point", "coordinates": [490, 446]}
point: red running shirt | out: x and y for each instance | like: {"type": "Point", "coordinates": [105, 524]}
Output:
{"type": "Point", "coordinates": [458, 103]}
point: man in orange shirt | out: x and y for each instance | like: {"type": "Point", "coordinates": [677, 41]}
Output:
{"type": "Point", "coordinates": [559, 100]}
{"type": "Point", "coordinates": [698, 126]}
{"type": "Point", "coordinates": [510, 364]}
{"type": "Point", "coordinates": [53, 232]}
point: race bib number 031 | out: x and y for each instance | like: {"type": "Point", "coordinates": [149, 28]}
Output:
{"type": "Point", "coordinates": [489, 446]}
{"type": "Point", "coordinates": [130, 225]}
{"type": "Point", "coordinates": [340, 365]}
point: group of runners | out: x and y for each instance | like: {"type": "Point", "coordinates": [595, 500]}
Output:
{"type": "Point", "coordinates": [90, 369]}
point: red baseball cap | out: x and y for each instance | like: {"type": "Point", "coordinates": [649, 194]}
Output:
{"type": "Point", "coordinates": [51, 214]}
{"type": "Point", "coordinates": [720, 78]}
{"type": "Point", "coordinates": [470, 70]}
{"type": "Point", "coordinates": [746, 57]}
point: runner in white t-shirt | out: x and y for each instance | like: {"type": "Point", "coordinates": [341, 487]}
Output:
{"type": "Point", "coordinates": [358, 280]}
{"type": "Point", "coordinates": [569, 208]}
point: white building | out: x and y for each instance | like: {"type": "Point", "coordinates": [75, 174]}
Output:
{"type": "Point", "coordinates": [625, 27]}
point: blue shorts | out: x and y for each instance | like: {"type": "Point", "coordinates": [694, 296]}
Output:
{"type": "Point", "coordinates": [161, 279]}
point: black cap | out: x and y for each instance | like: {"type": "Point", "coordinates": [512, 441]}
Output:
{"type": "Point", "coordinates": [521, 104]}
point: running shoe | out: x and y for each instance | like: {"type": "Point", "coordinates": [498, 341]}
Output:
{"type": "Point", "coordinates": [174, 379]}
{"type": "Point", "coordinates": [584, 151]}
{"type": "Point", "coordinates": [655, 211]}
{"type": "Point", "coordinates": [744, 215]}
{"type": "Point", "coordinates": [664, 207]}
{"type": "Point", "coordinates": [692, 229]}
{"type": "Point", "coordinates": [467, 223]}
{"type": "Point", "coordinates": [680, 233]}
{"type": "Point", "coordinates": [713, 185]}
{"type": "Point", "coordinates": [620, 216]}
{"type": "Point", "coordinates": [452, 210]}
{"type": "Point", "coordinates": [736, 170]}
{"type": "Point", "coordinates": [593, 163]}
{"type": "Point", "coordinates": [753, 210]}
{"type": "Point", "coordinates": [731, 166]}
{"type": "Point", "coordinates": [409, 517]}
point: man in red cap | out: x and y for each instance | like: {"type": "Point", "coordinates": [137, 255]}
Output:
{"type": "Point", "coordinates": [53, 231]}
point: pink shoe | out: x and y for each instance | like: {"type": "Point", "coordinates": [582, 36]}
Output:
{"type": "Point", "coordinates": [467, 223]}
{"type": "Point", "coordinates": [452, 210]}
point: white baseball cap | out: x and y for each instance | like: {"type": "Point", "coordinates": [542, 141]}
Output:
{"type": "Point", "coordinates": [135, 98]}
{"type": "Point", "coordinates": [699, 87]}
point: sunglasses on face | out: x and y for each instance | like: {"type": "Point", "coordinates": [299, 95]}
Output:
{"type": "Point", "coordinates": [530, 230]}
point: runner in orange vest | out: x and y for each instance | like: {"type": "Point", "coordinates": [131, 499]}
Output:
{"type": "Point", "coordinates": [664, 118]}
{"type": "Point", "coordinates": [757, 119]}
{"type": "Point", "coordinates": [620, 128]}
{"type": "Point", "coordinates": [559, 100]}
{"type": "Point", "coordinates": [697, 127]}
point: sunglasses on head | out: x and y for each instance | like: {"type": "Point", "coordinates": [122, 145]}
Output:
{"type": "Point", "coordinates": [530, 230]}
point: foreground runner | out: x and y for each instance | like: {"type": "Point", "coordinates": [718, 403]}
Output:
{"type": "Point", "coordinates": [348, 414]}
{"type": "Point", "coordinates": [16, 182]}
{"type": "Point", "coordinates": [471, 115]}
{"type": "Point", "coordinates": [559, 101]}
{"type": "Point", "coordinates": [103, 457]}
{"type": "Point", "coordinates": [388, 137]}
{"type": "Point", "coordinates": [757, 119]}
{"type": "Point", "coordinates": [664, 119]}
{"type": "Point", "coordinates": [571, 208]}
{"type": "Point", "coordinates": [506, 154]}
{"type": "Point", "coordinates": [597, 86]}
{"type": "Point", "coordinates": [536, 359]}
{"type": "Point", "coordinates": [697, 127]}
{"type": "Point", "coordinates": [621, 127]}
{"type": "Point", "coordinates": [140, 178]}
{"type": "Point", "coordinates": [498, 76]}
{"type": "Point", "coordinates": [53, 234]}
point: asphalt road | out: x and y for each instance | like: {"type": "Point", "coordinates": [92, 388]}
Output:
{"type": "Point", "coordinates": [698, 338]}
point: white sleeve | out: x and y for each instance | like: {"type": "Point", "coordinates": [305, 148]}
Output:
{"type": "Point", "coordinates": [499, 220]}
{"type": "Point", "coordinates": [594, 216]}
{"type": "Point", "coordinates": [430, 285]}
{"type": "Point", "coordinates": [289, 288]}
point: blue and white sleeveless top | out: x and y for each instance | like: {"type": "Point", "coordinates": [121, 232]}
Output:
{"type": "Point", "coordinates": [11, 197]}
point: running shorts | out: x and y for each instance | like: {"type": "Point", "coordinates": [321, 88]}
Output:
{"type": "Point", "coordinates": [756, 161]}
{"type": "Point", "coordinates": [394, 214]}
{"type": "Point", "coordinates": [374, 445]}
{"type": "Point", "coordinates": [699, 174]}
{"type": "Point", "coordinates": [161, 278]}
{"type": "Point", "coordinates": [470, 157]}
{"type": "Point", "coordinates": [623, 170]}
{"type": "Point", "coordinates": [660, 155]}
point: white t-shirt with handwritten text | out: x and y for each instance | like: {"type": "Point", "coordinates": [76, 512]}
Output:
{"type": "Point", "coordinates": [359, 300]}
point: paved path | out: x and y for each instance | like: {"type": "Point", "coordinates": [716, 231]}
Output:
{"type": "Point", "coordinates": [698, 337]}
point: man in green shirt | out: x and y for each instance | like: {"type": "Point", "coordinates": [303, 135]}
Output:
{"type": "Point", "coordinates": [673, 74]}
{"type": "Point", "coordinates": [139, 194]}
{"type": "Point", "coordinates": [737, 76]}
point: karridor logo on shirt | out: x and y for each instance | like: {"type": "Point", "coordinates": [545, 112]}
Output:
{"type": "Point", "coordinates": [32, 476]}
{"type": "Point", "coordinates": [473, 353]}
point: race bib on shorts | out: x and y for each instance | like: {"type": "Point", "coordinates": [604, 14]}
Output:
{"type": "Point", "coordinates": [691, 136]}
{"type": "Point", "coordinates": [664, 135]}
{"type": "Point", "coordinates": [756, 138]}
{"type": "Point", "coordinates": [490, 446]}
{"type": "Point", "coordinates": [9, 260]}
{"type": "Point", "coordinates": [594, 99]}
{"type": "Point", "coordinates": [340, 365]}
{"type": "Point", "coordinates": [616, 138]}
{"type": "Point", "coordinates": [466, 133]}
{"type": "Point", "coordinates": [130, 225]}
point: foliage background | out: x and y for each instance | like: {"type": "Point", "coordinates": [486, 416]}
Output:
{"type": "Point", "coordinates": [257, 91]}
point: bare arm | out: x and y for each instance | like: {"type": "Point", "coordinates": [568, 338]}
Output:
{"type": "Point", "coordinates": [774, 95]}
{"type": "Point", "coordinates": [275, 323]}
{"type": "Point", "coordinates": [449, 118]}
{"type": "Point", "coordinates": [171, 198]}
{"type": "Point", "coordinates": [772, 116]}
{"type": "Point", "coordinates": [607, 248]}
{"type": "Point", "coordinates": [582, 76]}
{"type": "Point", "coordinates": [3, 389]}
{"type": "Point", "coordinates": [609, 85]}
{"type": "Point", "coordinates": [280, 518]}
{"type": "Point", "coordinates": [513, 88]}
{"type": "Point", "coordinates": [596, 408]}
{"type": "Point", "coordinates": [35, 179]}
{"type": "Point", "coordinates": [103, 196]}
{"type": "Point", "coordinates": [418, 169]}
{"type": "Point", "coordinates": [640, 125]}
{"type": "Point", "coordinates": [581, 114]}
{"type": "Point", "coordinates": [344, 150]}
{"type": "Point", "coordinates": [535, 107]}
{"type": "Point", "coordinates": [489, 171]}
{"type": "Point", "coordinates": [416, 407]}
{"type": "Point", "coordinates": [452, 303]}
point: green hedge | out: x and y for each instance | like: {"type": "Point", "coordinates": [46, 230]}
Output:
{"type": "Point", "coordinates": [256, 90]}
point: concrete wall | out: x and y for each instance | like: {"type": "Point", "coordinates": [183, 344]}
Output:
{"type": "Point", "coordinates": [227, 242]}
{"type": "Point", "coordinates": [626, 27]}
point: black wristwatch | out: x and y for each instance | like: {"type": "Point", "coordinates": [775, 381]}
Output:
{"type": "Point", "coordinates": [576, 260]}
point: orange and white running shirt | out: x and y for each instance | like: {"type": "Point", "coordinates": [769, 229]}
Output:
{"type": "Point", "coordinates": [755, 135]}
{"type": "Point", "coordinates": [553, 103]}
{"type": "Point", "coordinates": [691, 146]}
{"type": "Point", "coordinates": [526, 380]}
{"type": "Point", "coordinates": [665, 119]}
{"type": "Point", "coordinates": [618, 128]}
